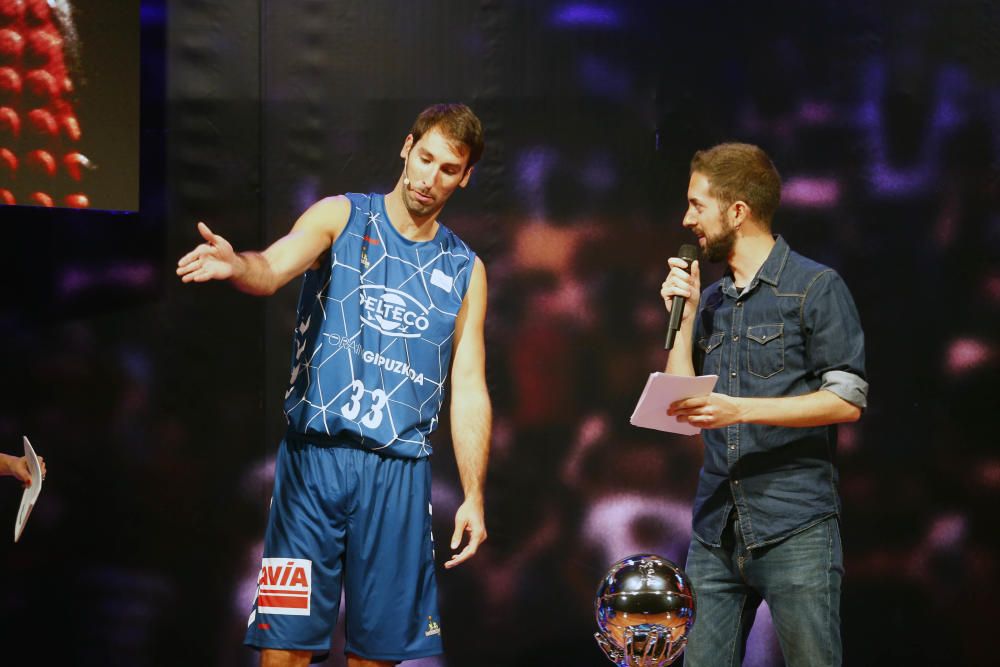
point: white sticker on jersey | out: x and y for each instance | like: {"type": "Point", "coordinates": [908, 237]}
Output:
{"type": "Point", "coordinates": [285, 586]}
{"type": "Point", "coordinates": [439, 279]}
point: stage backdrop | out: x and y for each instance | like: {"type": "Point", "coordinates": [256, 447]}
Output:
{"type": "Point", "coordinates": [160, 423]}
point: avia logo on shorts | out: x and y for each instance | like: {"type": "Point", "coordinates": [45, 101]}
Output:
{"type": "Point", "coordinates": [393, 312]}
{"type": "Point", "coordinates": [284, 586]}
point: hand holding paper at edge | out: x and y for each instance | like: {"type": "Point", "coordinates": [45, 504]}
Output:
{"type": "Point", "coordinates": [30, 495]}
{"type": "Point", "coordinates": [661, 390]}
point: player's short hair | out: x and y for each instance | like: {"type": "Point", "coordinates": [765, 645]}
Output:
{"type": "Point", "coordinates": [741, 172]}
{"type": "Point", "coordinates": [457, 123]}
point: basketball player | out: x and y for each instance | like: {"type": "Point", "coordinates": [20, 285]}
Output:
{"type": "Point", "coordinates": [390, 300]}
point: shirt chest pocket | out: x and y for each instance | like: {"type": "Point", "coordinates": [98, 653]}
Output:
{"type": "Point", "coordinates": [765, 349]}
{"type": "Point", "coordinates": [711, 353]}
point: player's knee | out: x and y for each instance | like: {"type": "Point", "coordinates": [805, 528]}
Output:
{"type": "Point", "coordinates": [270, 657]}
{"type": "Point", "coordinates": [355, 661]}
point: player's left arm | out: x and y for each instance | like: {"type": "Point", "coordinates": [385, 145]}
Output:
{"type": "Point", "coordinates": [471, 416]}
{"type": "Point", "coordinates": [835, 350]}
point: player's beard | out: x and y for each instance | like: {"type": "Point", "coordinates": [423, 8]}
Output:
{"type": "Point", "coordinates": [414, 207]}
{"type": "Point", "coordinates": [718, 248]}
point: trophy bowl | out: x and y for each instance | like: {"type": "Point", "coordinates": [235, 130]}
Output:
{"type": "Point", "coordinates": [645, 607]}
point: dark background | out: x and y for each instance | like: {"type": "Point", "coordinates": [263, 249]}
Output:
{"type": "Point", "coordinates": [159, 414]}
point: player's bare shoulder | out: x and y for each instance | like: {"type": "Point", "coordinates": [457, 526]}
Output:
{"type": "Point", "coordinates": [316, 230]}
{"type": "Point", "coordinates": [478, 277]}
{"type": "Point", "coordinates": [328, 215]}
{"type": "Point", "coordinates": [475, 297]}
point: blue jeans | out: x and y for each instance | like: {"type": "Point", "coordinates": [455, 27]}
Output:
{"type": "Point", "coordinates": [799, 577]}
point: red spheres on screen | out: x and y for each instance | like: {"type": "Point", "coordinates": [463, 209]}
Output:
{"type": "Point", "coordinates": [11, 10]}
{"type": "Point", "coordinates": [10, 85]}
{"type": "Point", "coordinates": [8, 163]}
{"type": "Point", "coordinates": [11, 46]}
{"type": "Point", "coordinates": [42, 86]}
{"type": "Point", "coordinates": [10, 126]}
{"type": "Point", "coordinates": [40, 160]}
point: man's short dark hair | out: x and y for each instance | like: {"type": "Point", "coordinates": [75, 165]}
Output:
{"type": "Point", "coordinates": [457, 123]}
{"type": "Point", "coordinates": [741, 172]}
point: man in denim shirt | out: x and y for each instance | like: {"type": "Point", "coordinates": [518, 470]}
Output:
{"type": "Point", "coordinates": [783, 335]}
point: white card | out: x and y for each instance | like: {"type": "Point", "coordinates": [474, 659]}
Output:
{"type": "Point", "coordinates": [31, 493]}
{"type": "Point", "coordinates": [661, 390]}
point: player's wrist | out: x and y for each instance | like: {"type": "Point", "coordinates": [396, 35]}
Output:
{"type": "Point", "coordinates": [474, 496]}
{"type": "Point", "coordinates": [241, 266]}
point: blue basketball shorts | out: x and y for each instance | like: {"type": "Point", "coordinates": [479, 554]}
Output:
{"type": "Point", "coordinates": [344, 516]}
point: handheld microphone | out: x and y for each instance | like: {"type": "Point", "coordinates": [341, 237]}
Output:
{"type": "Point", "coordinates": [688, 253]}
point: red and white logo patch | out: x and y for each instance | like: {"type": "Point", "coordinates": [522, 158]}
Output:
{"type": "Point", "coordinates": [284, 586]}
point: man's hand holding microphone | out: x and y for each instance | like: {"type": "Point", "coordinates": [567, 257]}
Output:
{"type": "Point", "coordinates": [681, 292]}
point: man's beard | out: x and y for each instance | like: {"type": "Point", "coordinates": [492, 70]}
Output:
{"type": "Point", "coordinates": [414, 206]}
{"type": "Point", "coordinates": [718, 248]}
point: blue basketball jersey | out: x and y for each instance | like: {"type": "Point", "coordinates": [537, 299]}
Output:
{"type": "Point", "coordinates": [376, 322]}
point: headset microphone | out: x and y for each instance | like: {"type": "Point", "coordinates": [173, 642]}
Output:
{"type": "Point", "coordinates": [406, 171]}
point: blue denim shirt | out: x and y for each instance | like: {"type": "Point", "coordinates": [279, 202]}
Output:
{"type": "Point", "coordinates": [792, 331]}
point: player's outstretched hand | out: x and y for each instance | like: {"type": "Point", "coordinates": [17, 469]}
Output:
{"type": "Point", "coordinates": [468, 519]}
{"type": "Point", "coordinates": [212, 260]}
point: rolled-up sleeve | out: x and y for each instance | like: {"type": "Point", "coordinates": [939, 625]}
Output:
{"type": "Point", "coordinates": [835, 342]}
{"type": "Point", "coordinates": [850, 387]}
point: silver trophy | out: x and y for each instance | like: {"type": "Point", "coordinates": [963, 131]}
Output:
{"type": "Point", "coordinates": [645, 609]}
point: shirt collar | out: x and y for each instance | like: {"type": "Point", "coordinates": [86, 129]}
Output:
{"type": "Point", "coordinates": [770, 270]}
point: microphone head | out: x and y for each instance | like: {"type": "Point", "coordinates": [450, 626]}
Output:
{"type": "Point", "coordinates": [406, 182]}
{"type": "Point", "coordinates": [688, 253]}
